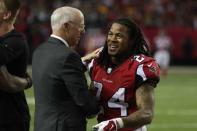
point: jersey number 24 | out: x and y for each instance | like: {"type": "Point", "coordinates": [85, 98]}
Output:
{"type": "Point", "coordinates": [116, 101]}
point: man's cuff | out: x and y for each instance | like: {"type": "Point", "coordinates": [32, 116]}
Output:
{"type": "Point", "coordinates": [119, 122]}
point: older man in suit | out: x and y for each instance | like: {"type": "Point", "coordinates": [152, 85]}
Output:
{"type": "Point", "coordinates": [62, 99]}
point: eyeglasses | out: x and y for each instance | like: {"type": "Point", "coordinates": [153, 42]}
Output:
{"type": "Point", "coordinates": [80, 26]}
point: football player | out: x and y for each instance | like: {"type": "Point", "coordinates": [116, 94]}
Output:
{"type": "Point", "coordinates": [163, 43]}
{"type": "Point", "coordinates": [124, 77]}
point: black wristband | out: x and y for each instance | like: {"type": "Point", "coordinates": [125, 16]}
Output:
{"type": "Point", "coordinates": [29, 82]}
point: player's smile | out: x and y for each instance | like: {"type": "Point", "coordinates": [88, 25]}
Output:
{"type": "Point", "coordinates": [113, 47]}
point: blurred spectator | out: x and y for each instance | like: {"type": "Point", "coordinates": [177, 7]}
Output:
{"type": "Point", "coordinates": [34, 17]}
{"type": "Point", "coordinates": [188, 48]}
{"type": "Point", "coordinates": [163, 44]}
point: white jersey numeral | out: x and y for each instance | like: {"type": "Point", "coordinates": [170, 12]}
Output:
{"type": "Point", "coordinates": [139, 58]}
{"type": "Point", "coordinates": [116, 101]}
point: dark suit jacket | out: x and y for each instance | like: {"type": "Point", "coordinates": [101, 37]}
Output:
{"type": "Point", "coordinates": [62, 100]}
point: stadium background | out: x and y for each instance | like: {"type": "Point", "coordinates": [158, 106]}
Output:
{"type": "Point", "coordinates": [176, 107]}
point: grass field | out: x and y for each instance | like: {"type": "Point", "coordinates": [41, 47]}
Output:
{"type": "Point", "coordinates": [176, 102]}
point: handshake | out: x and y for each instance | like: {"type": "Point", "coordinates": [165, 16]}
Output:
{"type": "Point", "coordinates": [109, 125]}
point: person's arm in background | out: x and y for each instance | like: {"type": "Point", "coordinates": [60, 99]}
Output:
{"type": "Point", "coordinates": [10, 83]}
{"type": "Point", "coordinates": [10, 49]}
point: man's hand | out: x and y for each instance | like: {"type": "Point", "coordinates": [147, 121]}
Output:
{"type": "Point", "coordinates": [92, 55]}
{"type": "Point", "coordinates": [109, 125]}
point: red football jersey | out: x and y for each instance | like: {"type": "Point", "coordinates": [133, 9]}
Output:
{"type": "Point", "coordinates": [115, 89]}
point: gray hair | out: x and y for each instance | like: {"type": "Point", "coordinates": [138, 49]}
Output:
{"type": "Point", "coordinates": [63, 15]}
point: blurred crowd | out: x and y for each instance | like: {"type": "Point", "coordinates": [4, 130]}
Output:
{"type": "Point", "coordinates": [34, 18]}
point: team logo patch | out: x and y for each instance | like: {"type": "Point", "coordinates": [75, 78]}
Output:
{"type": "Point", "coordinates": [152, 69]}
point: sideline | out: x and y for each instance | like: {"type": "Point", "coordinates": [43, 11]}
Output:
{"type": "Point", "coordinates": [183, 69]}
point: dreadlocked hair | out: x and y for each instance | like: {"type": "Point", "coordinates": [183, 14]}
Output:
{"type": "Point", "coordinates": [137, 45]}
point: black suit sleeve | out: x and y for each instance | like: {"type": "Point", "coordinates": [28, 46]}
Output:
{"type": "Point", "coordinates": [75, 81]}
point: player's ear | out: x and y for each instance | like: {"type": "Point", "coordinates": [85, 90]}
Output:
{"type": "Point", "coordinates": [7, 15]}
